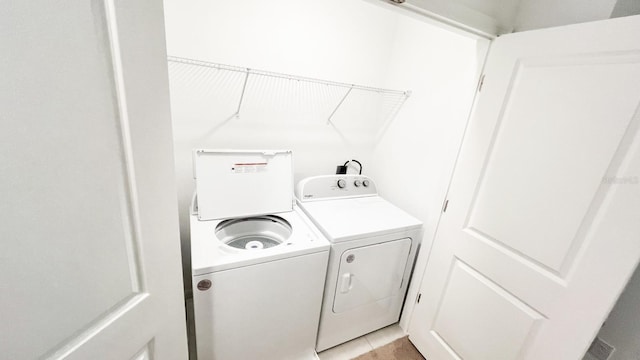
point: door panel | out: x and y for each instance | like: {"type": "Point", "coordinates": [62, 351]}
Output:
{"type": "Point", "coordinates": [585, 125]}
{"type": "Point", "coordinates": [470, 298]}
{"type": "Point", "coordinates": [49, 169]}
{"type": "Point", "coordinates": [540, 234]}
{"type": "Point", "coordinates": [370, 273]}
{"type": "Point", "coordinates": [90, 250]}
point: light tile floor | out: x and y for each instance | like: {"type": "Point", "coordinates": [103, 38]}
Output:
{"type": "Point", "coordinates": [363, 344]}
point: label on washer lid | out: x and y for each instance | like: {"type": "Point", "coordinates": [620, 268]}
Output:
{"type": "Point", "coordinates": [243, 168]}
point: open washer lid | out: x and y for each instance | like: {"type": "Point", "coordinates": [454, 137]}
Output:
{"type": "Point", "coordinates": [235, 183]}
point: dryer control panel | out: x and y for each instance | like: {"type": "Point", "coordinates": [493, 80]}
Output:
{"type": "Point", "coordinates": [326, 187]}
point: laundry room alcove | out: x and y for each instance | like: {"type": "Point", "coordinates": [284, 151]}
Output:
{"type": "Point", "coordinates": [302, 58]}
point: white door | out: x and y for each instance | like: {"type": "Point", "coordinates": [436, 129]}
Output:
{"type": "Point", "coordinates": [89, 248]}
{"type": "Point", "coordinates": [542, 227]}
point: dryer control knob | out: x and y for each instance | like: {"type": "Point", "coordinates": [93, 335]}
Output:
{"type": "Point", "coordinates": [365, 183]}
{"type": "Point", "coordinates": [357, 183]}
{"type": "Point", "coordinates": [342, 183]}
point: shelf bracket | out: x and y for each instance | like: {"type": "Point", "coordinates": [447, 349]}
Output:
{"type": "Point", "coordinates": [339, 104]}
{"type": "Point", "coordinates": [244, 86]}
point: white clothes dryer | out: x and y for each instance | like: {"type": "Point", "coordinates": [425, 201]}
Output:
{"type": "Point", "coordinates": [373, 247]}
{"type": "Point", "coordinates": [258, 262]}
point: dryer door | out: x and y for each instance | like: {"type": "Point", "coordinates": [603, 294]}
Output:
{"type": "Point", "coordinates": [370, 273]}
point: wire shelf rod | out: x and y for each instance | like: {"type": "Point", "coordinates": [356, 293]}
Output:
{"type": "Point", "coordinates": [338, 106]}
{"type": "Point", "coordinates": [244, 87]}
{"type": "Point", "coordinates": [284, 76]}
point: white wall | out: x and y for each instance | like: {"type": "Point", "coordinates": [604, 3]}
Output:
{"type": "Point", "coordinates": [362, 42]}
{"type": "Point", "coordinates": [497, 17]}
{"type": "Point", "coordinates": [341, 40]}
{"type": "Point", "coordinates": [536, 14]}
{"type": "Point", "coordinates": [622, 328]}
{"type": "Point", "coordinates": [414, 160]}
{"type": "Point", "coordinates": [626, 8]}
{"type": "Point", "coordinates": [488, 17]}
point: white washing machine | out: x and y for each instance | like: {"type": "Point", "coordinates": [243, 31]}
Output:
{"type": "Point", "coordinates": [258, 262]}
{"type": "Point", "coordinates": [373, 247]}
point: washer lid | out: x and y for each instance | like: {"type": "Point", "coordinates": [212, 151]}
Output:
{"type": "Point", "coordinates": [234, 183]}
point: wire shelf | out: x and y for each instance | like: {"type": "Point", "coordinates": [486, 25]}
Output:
{"type": "Point", "coordinates": [225, 91]}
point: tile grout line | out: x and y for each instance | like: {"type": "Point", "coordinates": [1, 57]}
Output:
{"type": "Point", "coordinates": [366, 337]}
{"type": "Point", "coordinates": [368, 343]}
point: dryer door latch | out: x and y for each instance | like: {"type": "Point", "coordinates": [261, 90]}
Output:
{"type": "Point", "coordinates": [347, 283]}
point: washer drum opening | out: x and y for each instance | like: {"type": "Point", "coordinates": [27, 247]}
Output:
{"type": "Point", "coordinates": [254, 233]}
